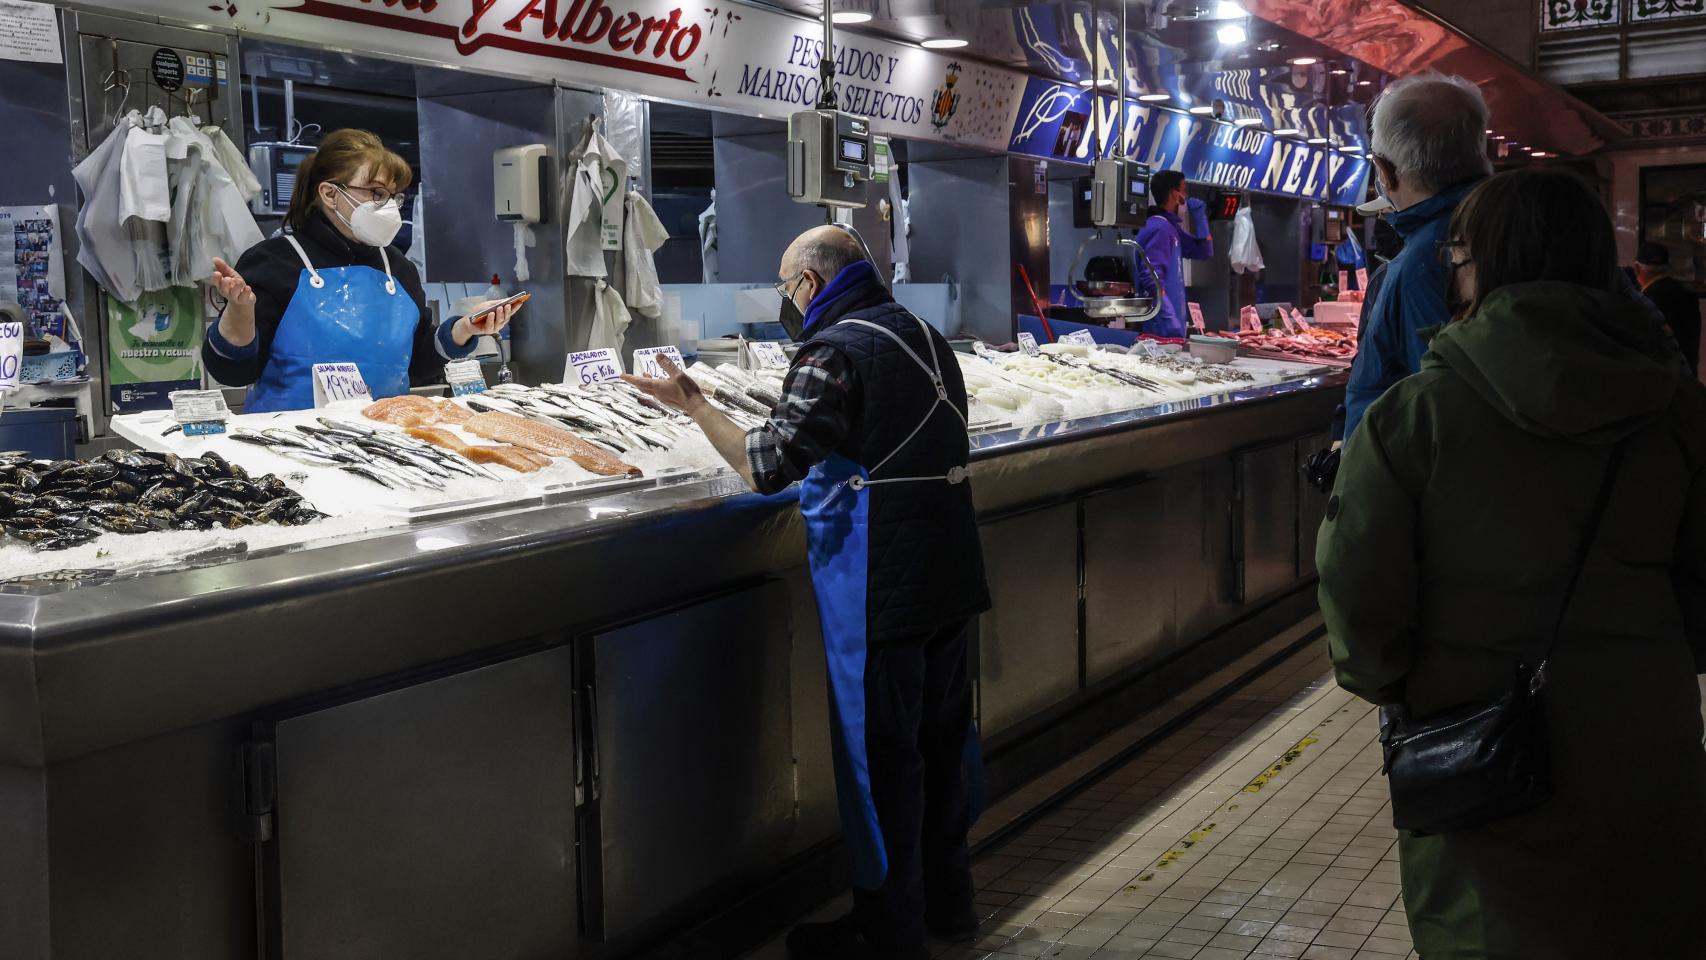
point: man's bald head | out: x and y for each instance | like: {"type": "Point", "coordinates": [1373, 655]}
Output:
{"type": "Point", "coordinates": [825, 251]}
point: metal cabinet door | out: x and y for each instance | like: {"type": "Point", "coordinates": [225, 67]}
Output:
{"type": "Point", "coordinates": [1268, 487]}
{"type": "Point", "coordinates": [1130, 569]}
{"type": "Point", "coordinates": [1028, 644]}
{"type": "Point", "coordinates": [694, 780]}
{"type": "Point", "coordinates": [435, 821]}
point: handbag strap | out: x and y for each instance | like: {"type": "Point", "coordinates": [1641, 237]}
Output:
{"type": "Point", "coordinates": [1583, 551]}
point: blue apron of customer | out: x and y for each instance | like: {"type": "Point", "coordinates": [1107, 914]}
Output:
{"type": "Point", "coordinates": [338, 315]}
{"type": "Point", "coordinates": [835, 502]}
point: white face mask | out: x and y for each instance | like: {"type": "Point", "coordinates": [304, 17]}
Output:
{"type": "Point", "coordinates": [374, 223]}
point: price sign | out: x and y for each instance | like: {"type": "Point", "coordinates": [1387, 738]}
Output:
{"type": "Point", "coordinates": [1249, 321]}
{"type": "Point", "coordinates": [1297, 321]}
{"type": "Point", "coordinates": [11, 355]}
{"type": "Point", "coordinates": [587, 367]}
{"type": "Point", "coordinates": [338, 381]}
{"type": "Point", "coordinates": [646, 364]}
{"type": "Point", "coordinates": [1344, 279]}
{"type": "Point", "coordinates": [464, 377]}
{"type": "Point", "coordinates": [1028, 344]}
{"type": "Point", "coordinates": [200, 412]}
{"type": "Point", "coordinates": [1196, 316]}
{"type": "Point", "coordinates": [1079, 336]}
{"type": "Point", "coordinates": [1362, 279]}
{"type": "Point", "coordinates": [767, 355]}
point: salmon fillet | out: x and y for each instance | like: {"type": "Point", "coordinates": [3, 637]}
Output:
{"type": "Point", "coordinates": [397, 410]}
{"type": "Point", "coordinates": [506, 455]}
{"type": "Point", "coordinates": [549, 440]}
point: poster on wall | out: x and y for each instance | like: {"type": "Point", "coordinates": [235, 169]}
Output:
{"type": "Point", "coordinates": [32, 267]}
{"type": "Point", "coordinates": [29, 31]}
{"type": "Point", "coordinates": [154, 348]}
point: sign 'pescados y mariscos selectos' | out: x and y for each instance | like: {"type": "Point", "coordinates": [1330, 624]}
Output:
{"type": "Point", "coordinates": [724, 55]}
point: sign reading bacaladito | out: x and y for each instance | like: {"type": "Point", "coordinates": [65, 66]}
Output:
{"type": "Point", "coordinates": [723, 55]}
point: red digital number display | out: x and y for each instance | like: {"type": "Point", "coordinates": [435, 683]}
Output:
{"type": "Point", "coordinates": [1228, 206]}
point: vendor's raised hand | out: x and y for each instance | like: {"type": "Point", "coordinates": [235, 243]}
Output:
{"type": "Point", "coordinates": [483, 321]}
{"type": "Point", "coordinates": [675, 388]}
{"type": "Point", "coordinates": [1196, 204]}
{"type": "Point", "coordinates": [231, 284]}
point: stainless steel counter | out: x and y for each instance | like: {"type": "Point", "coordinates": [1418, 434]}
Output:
{"type": "Point", "coordinates": [350, 743]}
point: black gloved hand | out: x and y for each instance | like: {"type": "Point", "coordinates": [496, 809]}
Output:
{"type": "Point", "coordinates": [1321, 469]}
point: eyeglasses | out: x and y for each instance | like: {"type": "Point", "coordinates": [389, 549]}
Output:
{"type": "Point", "coordinates": [785, 288]}
{"type": "Point", "coordinates": [379, 195]}
{"type": "Point", "coordinates": [1448, 258]}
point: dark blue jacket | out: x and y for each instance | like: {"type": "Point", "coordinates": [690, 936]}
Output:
{"type": "Point", "coordinates": [925, 565]}
{"type": "Point", "coordinates": [1411, 299]}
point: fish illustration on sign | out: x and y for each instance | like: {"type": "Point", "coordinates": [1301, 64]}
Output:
{"type": "Point", "coordinates": [945, 101]}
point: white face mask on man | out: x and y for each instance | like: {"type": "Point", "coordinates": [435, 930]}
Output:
{"type": "Point", "coordinates": [374, 223]}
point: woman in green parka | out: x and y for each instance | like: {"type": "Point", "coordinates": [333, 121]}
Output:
{"type": "Point", "coordinates": [1444, 559]}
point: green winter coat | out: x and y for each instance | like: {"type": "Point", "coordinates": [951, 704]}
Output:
{"type": "Point", "coordinates": [1444, 558]}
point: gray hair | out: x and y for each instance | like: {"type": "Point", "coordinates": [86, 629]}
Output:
{"type": "Point", "coordinates": [1433, 129]}
{"type": "Point", "coordinates": [826, 251]}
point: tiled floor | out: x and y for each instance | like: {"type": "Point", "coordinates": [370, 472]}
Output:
{"type": "Point", "coordinates": [1258, 830]}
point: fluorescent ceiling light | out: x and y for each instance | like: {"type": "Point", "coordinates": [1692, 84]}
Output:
{"type": "Point", "coordinates": [1317, 140]}
{"type": "Point", "coordinates": [1231, 35]}
{"type": "Point", "coordinates": [1247, 122]}
{"type": "Point", "coordinates": [1350, 148]}
{"type": "Point", "coordinates": [1303, 61]}
{"type": "Point", "coordinates": [1287, 132]}
{"type": "Point", "coordinates": [1498, 136]}
{"type": "Point", "coordinates": [1365, 83]}
{"type": "Point", "coordinates": [1154, 97]}
{"type": "Point", "coordinates": [944, 43]}
{"type": "Point", "coordinates": [1541, 153]}
{"type": "Point", "coordinates": [1202, 111]}
{"type": "Point", "coordinates": [845, 17]}
{"type": "Point", "coordinates": [1338, 71]}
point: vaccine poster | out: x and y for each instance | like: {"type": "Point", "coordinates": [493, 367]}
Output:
{"type": "Point", "coordinates": [154, 348]}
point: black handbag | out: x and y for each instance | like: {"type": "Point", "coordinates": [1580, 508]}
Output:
{"type": "Point", "coordinates": [1481, 762]}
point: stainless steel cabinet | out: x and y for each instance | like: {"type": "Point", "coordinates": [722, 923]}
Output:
{"type": "Point", "coordinates": [432, 821]}
{"type": "Point", "coordinates": [1028, 644]}
{"type": "Point", "coordinates": [1267, 483]}
{"type": "Point", "coordinates": [1129, 602]}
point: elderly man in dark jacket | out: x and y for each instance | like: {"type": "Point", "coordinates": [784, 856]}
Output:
{"type": "Point", "coordinates": [872, 423]}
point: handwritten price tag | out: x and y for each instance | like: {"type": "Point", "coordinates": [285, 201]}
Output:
{"type": "Point", "coordinates": [1249, 321]}
{"type": "Point", "coordinates": [1297, 322]}
{"type": "Point", "coordinates": [1028, 344]}
{"type": "Point", "coordinates": [11, 355]}
{"type": "Point", "coordinates": [587, 367]}
{"type": "Point", "coordinates": [1079, 336]}
{"type": "Point", "coordinates": [338, 381]}
{"type": "Point", "coordinates": [1196, 316]}
{"type": "Point", "coordinates": [767, 355]}
{"type": "Point", "coordinates": [646, 364]}
{"type": "Point", "coordinates": [1362, 278]}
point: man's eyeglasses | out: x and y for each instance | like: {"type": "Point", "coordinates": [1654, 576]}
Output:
{"type": "Point", "coordinates": [785, 288]}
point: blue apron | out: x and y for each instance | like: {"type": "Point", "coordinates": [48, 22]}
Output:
{"type": "Point", "coordinates": [338, 315]}
{"type": "Point", "coordinates": [835, 502]}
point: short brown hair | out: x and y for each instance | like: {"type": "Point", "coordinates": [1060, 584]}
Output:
{"type": "Point", "coordinates": [1530, 225]}
{"type": "Point", "coordinates": [341, 156]}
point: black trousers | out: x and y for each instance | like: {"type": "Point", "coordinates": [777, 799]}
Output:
{"type": "Point", "coordinates": [917, 719]}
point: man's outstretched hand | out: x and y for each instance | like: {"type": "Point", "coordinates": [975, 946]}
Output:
{"type": "Point", "coordinates": [676, 389]}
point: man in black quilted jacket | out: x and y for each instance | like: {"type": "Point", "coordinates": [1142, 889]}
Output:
{"type": "Point", "coordinates": [872, 424]}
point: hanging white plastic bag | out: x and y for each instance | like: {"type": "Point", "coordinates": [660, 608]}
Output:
{"type": "Point", "coordinates": [1245, 255]}
{"type": "Point", "coordinates": [624, 124]}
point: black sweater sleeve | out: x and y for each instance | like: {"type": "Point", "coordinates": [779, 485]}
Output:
{"type": "Point", "coordinates": [272, 269]}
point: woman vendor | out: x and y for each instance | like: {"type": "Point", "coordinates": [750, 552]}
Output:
{"type": "Point", "coordinates": [332, 289]}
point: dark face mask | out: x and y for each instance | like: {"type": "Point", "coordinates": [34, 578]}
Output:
{"type": "Point", "coordinates": [791, 319]}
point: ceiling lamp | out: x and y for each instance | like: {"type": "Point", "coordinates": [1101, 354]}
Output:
{"type": "Point", "coordinates": [1541, 153]}
{"type": "Point", "coordinates": [1498, 136]}
{"type": "Point", "coordinates": [943, 43]}
{"type": "Point", "coordinates": [1303, 61]}
{"type": "Point", "coordinates": [1287, 132]}
{"type": "Point", "coordinates": [1318, 141]}
{"type": "Point", "coordinates": [1365, 83]}
{"type": "Point", "coordinates": [1155, 98]}
{"type": "Point", "coordinates": [848, 17]}
{"type": "Point", "coordinates": [1231, 35]}
{"type": "Point", "coordinates": [1227, 10]}
{"type": "Point", "coordinates": [1339, 72]}
{"type": "Point", "coordinates": [1247, 122]}
{"type": "Point", "coordinates": [1202, 110]}
{"type": "Point", "coordinates": [1350, 148]}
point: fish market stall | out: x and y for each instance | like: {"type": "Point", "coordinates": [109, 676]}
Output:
{"type": "Point", "coordinates": [590, 716]}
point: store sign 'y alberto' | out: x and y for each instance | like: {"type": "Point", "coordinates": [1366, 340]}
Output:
{"type": "Point", "coordinates": [734, 57]}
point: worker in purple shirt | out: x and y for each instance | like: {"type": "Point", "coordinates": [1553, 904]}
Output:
{"type": "Point", "coordinates": [1166, 242]}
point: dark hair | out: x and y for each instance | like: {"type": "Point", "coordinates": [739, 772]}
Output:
{"type": "Point", "coordinates": [339, 157]}
{"type": "Point", "coordinates": [1530, 225]}
{"type": "Point", "coordinates": [1164, 183]}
